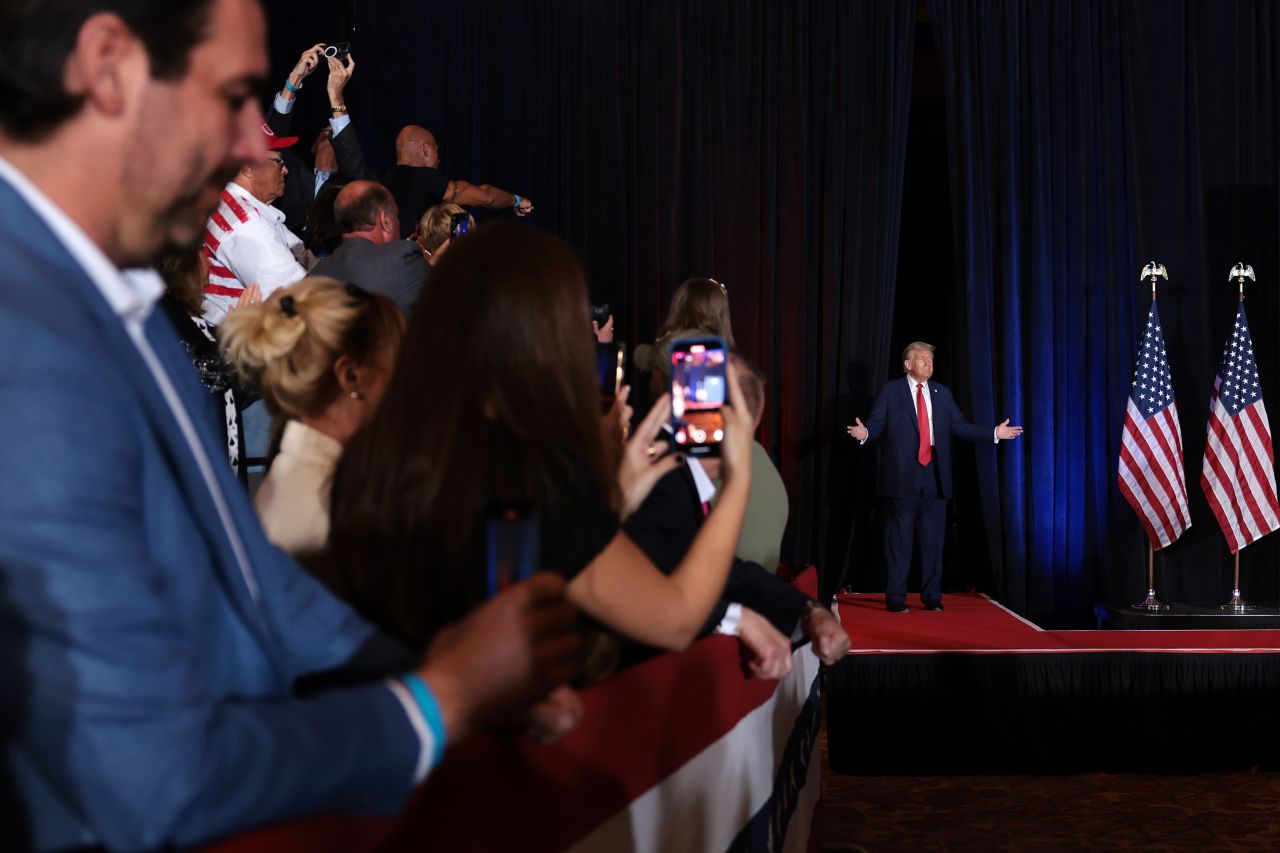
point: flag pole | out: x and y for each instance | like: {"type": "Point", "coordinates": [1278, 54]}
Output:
{"type": "Point", "coordinates": [1155, 271]}
{"type": "Point", "coordinates": [1237, 603]}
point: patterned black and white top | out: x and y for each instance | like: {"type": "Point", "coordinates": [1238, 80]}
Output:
{"type": "Point", "coordinates": [201, 344]}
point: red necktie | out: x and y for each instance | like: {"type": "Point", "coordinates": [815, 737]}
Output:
{"type": "Point", "coordinates": [924, 454]}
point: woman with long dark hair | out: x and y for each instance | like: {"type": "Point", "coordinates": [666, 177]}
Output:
{"type": "Point", "coordinates": [494, 400]}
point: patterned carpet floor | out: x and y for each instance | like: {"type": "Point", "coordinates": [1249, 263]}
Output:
{"type": "Point", "coordinates": [1208, 812]}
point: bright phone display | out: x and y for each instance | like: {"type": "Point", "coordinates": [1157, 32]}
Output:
{"type": "Point", "coordinates": [699, 388]}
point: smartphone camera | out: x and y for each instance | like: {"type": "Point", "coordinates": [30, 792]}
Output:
{"type": "Point", "coordinates": [459, 224]}
{"type": "Point", "coordinates": [339, 51]}
{"type": "Point", "coordinates": [600, 314]}
{"type": "Point", "coordinates": [511, 545]}
{"type": "Point", "coordinates": [699, 391]}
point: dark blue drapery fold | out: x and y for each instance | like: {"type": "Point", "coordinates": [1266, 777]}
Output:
{"type": "Point", "coordinates": [1080, 145]}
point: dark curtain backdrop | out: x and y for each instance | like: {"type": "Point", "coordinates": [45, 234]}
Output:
{"type": "Point", "coordinates": [766, 143]}
{"type": "Point", "coordinates": [1085, 139]}
{"type": "Point", "coordinates": [761, 143]}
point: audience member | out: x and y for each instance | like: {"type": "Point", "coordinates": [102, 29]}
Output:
{"type": "Point", "coordinates": [246, 239]}
{"type": "Point", "coordinates": [434, 231]}
{"type": "Point", "coordinates": [418, 183]}
{"type": "Point", "coordinates": [670, 519]}
{"type": "Point", "coordinates": [336, 152]}
{"type": "Point", "coordinates": [700, 306]}
{"type": "Point", "coordinates": [321, 353]}
{"type": "Point", "coordinates": [768, 506]}
{"type": "Point", "coordinates": [152, 636]}
{"type": "Point", "coordinates": [371, 254]}
{"type": "Point", "coordinates": [494, 400]}
{"type": "Point", "coordinates": [323, 234]}
{"type": "Point", "coordinates": [185, 273]}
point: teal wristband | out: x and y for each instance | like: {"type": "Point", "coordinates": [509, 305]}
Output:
{"type": "Point", "coordinates": [292, 88]}
{"type": "Point", "coordinates": [430, 709]}
{"type": "Point", "coordinates": [516, 206]}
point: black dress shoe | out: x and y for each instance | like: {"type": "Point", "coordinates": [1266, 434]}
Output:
{"type": "Point", "coordinates": [933, 605]}
{"type": "Point", "coordinates": [898, 607]}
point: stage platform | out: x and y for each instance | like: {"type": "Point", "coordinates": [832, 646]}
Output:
{"type": "Point", "coordinates": [1185, 617]}
{"type": "Point", "coordinates": [977, 688]}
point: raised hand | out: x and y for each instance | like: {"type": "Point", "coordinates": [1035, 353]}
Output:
{"type": "Point", "coordinates": [339, 76]}
{"type": "Point", "coordinates": [306, 63]}
{"type": "Point", "coordinates": [604, 334]}
{"type": "Point", "coordinates": [739, 431]}
{"type": "Point", "coordinates": [1004, 432]}
{"type": "Point", "coordinates": [858, 431]}
{"type": "Point", "coordinates": [646, 458]}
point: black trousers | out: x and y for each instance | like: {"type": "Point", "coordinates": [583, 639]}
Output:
{"type": "Point", "coordinates": [919, 519]}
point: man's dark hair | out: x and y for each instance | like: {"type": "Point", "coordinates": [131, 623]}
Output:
{"type": "Point", "coordinates": [357, 207]}
{"type": "Point", "coordinates": [38, 36]}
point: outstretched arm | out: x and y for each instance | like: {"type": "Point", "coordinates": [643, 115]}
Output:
{"type": "Point", "coordinates": [961, 428]}
{"type": "Point", "coordinates": [875, 421]}
{"type": "Point", "coordinates": [483, 195]}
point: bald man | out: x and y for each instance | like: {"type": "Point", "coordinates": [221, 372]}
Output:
{"type": "Point", "coordinates": [371, 253]}
{"type": "Point", "coordinates": [417, 182]}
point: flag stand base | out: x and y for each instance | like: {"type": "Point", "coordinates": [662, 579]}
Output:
{"type": "Point", "coordinates": [1150, 603]}
{"type": "Point", "coordinates": [1236, 604]}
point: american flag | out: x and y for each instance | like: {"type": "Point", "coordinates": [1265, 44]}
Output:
{"type": "Point", "coordinates": [1239, 474]}
{"type": "Point", "coordinates": [1151, 476]}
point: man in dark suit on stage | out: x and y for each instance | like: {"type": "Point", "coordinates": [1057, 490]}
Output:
{"type": "Point", "coordinates": [917, 418]}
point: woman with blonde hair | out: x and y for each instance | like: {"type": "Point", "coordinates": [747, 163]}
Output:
{"type": "Point", "coordinates": [435, 233]}
{"type": "Point", "coordinates": [321, 353]}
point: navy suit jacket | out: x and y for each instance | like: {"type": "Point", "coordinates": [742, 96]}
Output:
{"type": "Point", "coordinates": [149, 694]}
{"type": "Point", "coordinates": [893, 417]}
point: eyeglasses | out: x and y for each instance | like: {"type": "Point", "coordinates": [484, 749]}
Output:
{"type": "Point", "coordinates": [279, 161]}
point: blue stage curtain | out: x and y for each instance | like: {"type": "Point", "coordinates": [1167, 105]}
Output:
{"type": "Point", "coordinates": [1086, 138]}
{"type": "Point", "coordinates": [758, 142]}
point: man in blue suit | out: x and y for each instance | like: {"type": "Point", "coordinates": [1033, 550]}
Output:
{"type": "Point", "coordinates": [151, 639]}
{"type": "Point", "coordinates": [917, 418]}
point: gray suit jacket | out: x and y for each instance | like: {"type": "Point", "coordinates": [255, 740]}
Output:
{"type": "Point", "coordinates": [396, 269]}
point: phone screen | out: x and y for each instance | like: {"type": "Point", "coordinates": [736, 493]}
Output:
{"type": "Point", "coordinates": [611, 361]}
{"type": "Point", "coordinates": [511, 546]}
{"type": "Point", "coordinates": [699, 389]}
{"type": "Point", "coordinates": [459, 224]}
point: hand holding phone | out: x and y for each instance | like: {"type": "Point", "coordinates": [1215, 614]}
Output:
{"type": "Point", "coordinates": [459, 224]}
{"type": "Point", "coordinates": [699, 391]}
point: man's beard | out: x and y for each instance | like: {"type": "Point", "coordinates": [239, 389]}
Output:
{"type": "Point", "coordinates": [183, 223]}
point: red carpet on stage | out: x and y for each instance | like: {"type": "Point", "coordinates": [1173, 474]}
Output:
{"type": "Point", "coordinates": [974, 624]}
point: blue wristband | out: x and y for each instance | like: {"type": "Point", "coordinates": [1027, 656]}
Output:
{"type": "Point", "coordinates": [516, 206]}
{"type": "Point", "coordinates": [292, 88]}
{"type": "Point", "coordinates": [430, 709]}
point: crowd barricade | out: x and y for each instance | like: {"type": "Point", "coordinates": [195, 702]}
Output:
{"type": "Point", "coordinates": [683, 752]}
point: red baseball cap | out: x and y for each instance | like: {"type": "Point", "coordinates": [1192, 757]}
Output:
{"type": "Point", "coordinates": [275, 143]}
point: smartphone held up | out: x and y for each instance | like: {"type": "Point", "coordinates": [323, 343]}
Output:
{"type": "Point", "coordinates": [699, 391]}
{"type": "Point", "coordinates": [511, 545]}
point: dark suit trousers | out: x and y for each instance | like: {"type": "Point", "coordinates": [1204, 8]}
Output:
{"type": "Point", "coordinates": [920, 517]}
